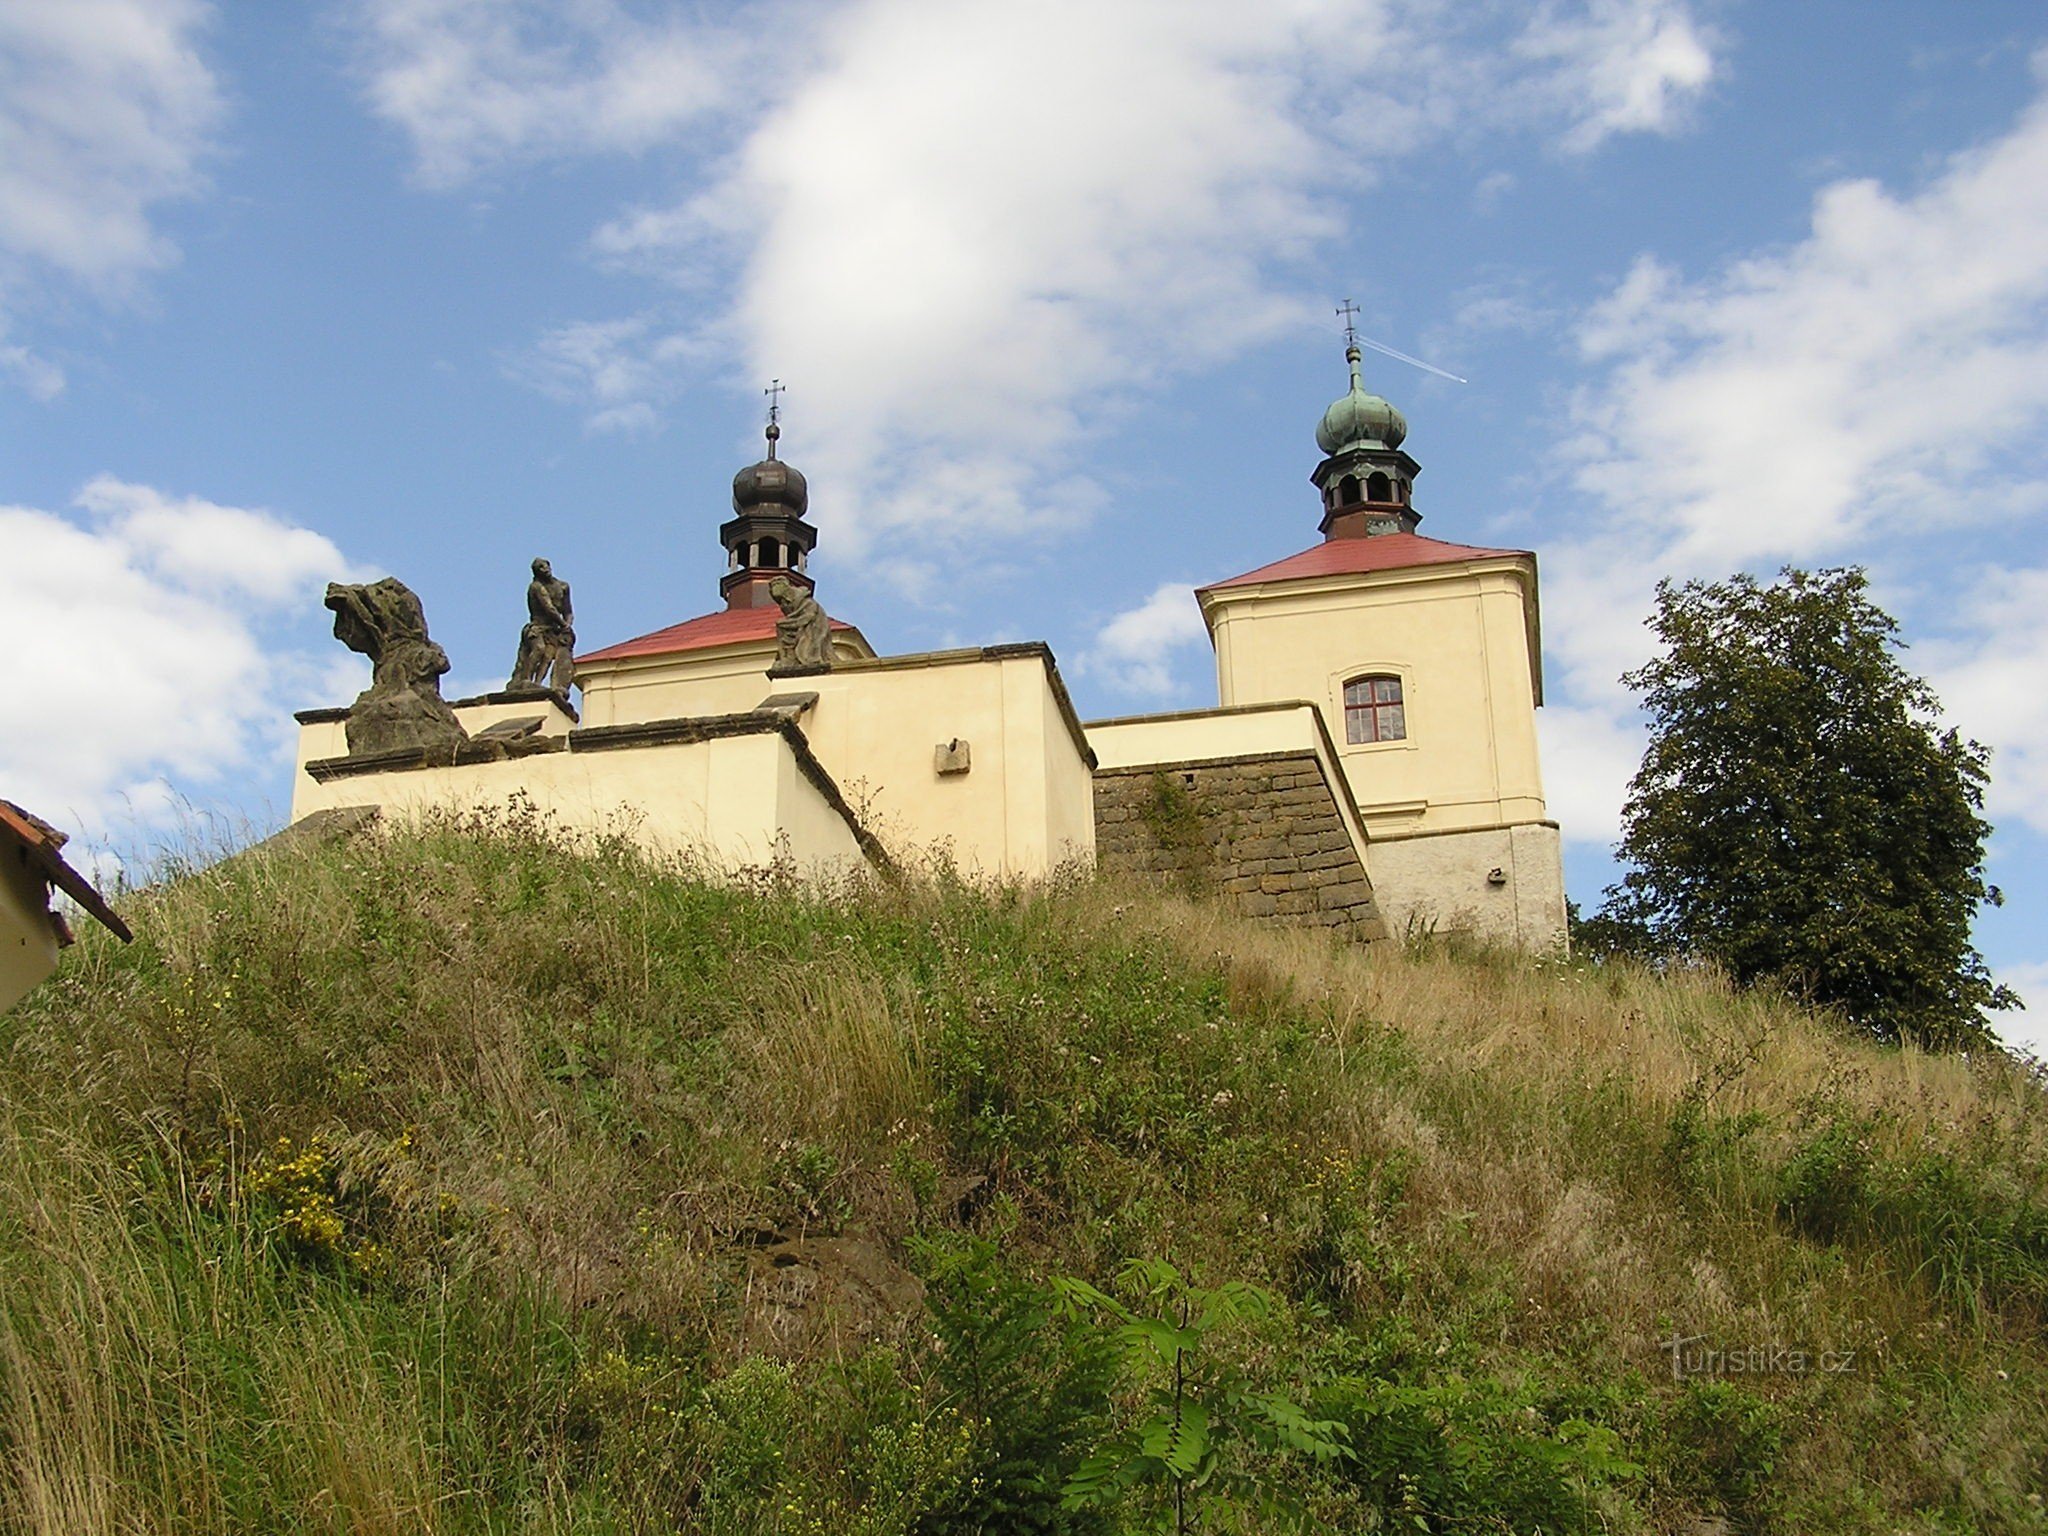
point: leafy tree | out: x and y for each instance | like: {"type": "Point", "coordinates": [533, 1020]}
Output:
{"type": "Point", "coordinates": [1799, 815]}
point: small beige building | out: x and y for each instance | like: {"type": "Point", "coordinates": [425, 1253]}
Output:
{"type": "Point", "coordinates": [1371, 766]}
{"type": "Point", "coordinates": [32, 930]}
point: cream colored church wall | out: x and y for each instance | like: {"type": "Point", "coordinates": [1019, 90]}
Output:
{"type": "Point", "coordinates": [670, 688]}
{"type": "Point", "coordinates": [1441, 883]}
{"type": "Point", "coordinates": [28, 943]}
{"type": "Point", "coordinates": [1026, 803]}
{"type": "Point", "coordinates": [736, 801]}
{"type": "Point", "coordinates": [1195, 735]}
{"type": "Point", "coordinates": [720, 680]}
{"type": "Point", "coordinates": [317, 739]}
{"type": "Point", "coordinates": [1070, 787]}
{"type": "Point", "coordinates": [1459, 642]}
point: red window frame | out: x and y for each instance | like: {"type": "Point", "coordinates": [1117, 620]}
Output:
{"type": "Point", "coordinates": [1374, 710]}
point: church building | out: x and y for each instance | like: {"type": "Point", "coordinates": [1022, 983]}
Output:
{"type": "Point", "coordinates": [1370, 766]}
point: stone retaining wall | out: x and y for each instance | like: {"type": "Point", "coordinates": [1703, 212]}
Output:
{"type": "Point", "coordinates": [1263, 832]}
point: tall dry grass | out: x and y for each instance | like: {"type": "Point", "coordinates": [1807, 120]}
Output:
{"type": "Point", "coordinates": [563, 1092]}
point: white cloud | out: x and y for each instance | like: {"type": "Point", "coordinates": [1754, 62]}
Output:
{"type": "Point", "coordinates": [2026, 1030]}
{"type": "Point", "coordinates": [966, 231]}
{"type": "Point", "coordinates": [1589, 755]}
{"type": "Point", "coordinates": [154, 654]}
{"type": "Point", "coordinates": [1626, 66]}
{"type": "Point", "coordinates": [1884, 375]}
{"type": "Point", "coordinates": [1875, 369]}
{"type": "Point", "coordinates": [614, 369]}
{"type": "Point", "coordinates": [1136, 650]}
{"type": "Point", "coordinates": [43, 379]}
{"type": "Point", "coordinates": [105, 107]}
{"type": "Point", "coordinates": [474, 82]}
{"type": "Point", "coordinates": [1989, 672]}
{"type": "Point", "coordinates": [201, 546]}
{"type": "Point", "coordinates": [105, 112]}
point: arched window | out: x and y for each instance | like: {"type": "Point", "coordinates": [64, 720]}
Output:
{"type": "Point", "coordinates": [1347, 491]}
{"type": "Point", "coordinates": [1373, 710]}
{"type": "Point", "coordinates": [1379, 488]}
{"type": "Point", "coordinates": [771, 552]}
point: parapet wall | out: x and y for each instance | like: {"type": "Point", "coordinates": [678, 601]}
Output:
{"type": "Point", "coordinates": [1263, 831]}
{"type": "Point", "coordinates": [736, 791]}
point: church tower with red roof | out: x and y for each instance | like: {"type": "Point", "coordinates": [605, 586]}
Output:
{"type": "Point", "coordinates": [1424, 659]}
{"type": "Point", "coordinates": [717, 661]}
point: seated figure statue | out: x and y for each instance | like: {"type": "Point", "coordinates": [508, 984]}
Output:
{"type": "Point", "coordinates": [803, 635]}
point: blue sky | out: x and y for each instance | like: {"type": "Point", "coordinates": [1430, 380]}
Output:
{"type": "Point", "coordinates": [429, 287]}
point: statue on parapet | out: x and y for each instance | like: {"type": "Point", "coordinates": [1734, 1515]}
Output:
{"type": "Point", "coordinates": [803, 635]}
{"type": "Point", "coordinates": [547, 645]}
{"type": "Point", "coordinates": [402, 707]}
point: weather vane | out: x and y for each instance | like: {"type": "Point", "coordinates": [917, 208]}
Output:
{"type": "Point", "coordinates": [774, 394]}
{"type": "Point", "coordinates": [1353, 341]}
{"type": "Point", "coordinates": [1349, 311]}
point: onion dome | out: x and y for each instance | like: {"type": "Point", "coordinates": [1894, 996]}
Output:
{"type": "Point", "coordinates": [1360, 420]}
{"type": "Point", "coordinates": [770, 484]}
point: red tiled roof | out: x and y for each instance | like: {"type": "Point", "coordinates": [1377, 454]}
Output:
{"type": "Point", "coordinates": [39, 842]}
{"type": "Point", "coordinates": [728, 626]}
{"type": "Point", "coordinates": [1352, 557]}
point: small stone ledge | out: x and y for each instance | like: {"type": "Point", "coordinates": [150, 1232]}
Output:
{"type": "Point", "coordinates": [336, 714]}
{"type": "Point", "coordinates": [468, 754]}
{"type": "Point", "coordinates": [1240, 760]}
{"type": "Point", "coordinates": [334, 825]}
{"type": "Point", "coordinates": [536, 695]}
{"type": "Point", "coordinates": [682, 730]}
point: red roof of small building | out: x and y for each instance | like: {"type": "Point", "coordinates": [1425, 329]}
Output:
{"type": "Point", "coordinates": [728, 626]}
{"type": "Point", "coordinates": [1353, 557]}
{"type": "Point", "coordinates": [39, 842]}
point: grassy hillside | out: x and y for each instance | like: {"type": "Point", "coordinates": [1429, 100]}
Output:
{"type": "Point", "coordinates": [457, 1182]}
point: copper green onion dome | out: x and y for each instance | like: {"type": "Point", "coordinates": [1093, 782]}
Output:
{"type": "Point", "coordinates": [1360, 420]}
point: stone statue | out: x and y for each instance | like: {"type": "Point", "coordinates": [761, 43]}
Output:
{"type": "Point", "coordinates": [402, 706]}
{"type": "Point", "coordinates": [547, 645]}
{"type": "Point", "coordinates": [803, 635]}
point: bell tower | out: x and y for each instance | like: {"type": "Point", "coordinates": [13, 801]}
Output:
{"type": "Point", "coordinates": [767, 536]}
{"type": "Point", "coordinates": [1365, 479]}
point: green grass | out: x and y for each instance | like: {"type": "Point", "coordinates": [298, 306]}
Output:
{"type": "Point", "coordinates": [458, 1181]}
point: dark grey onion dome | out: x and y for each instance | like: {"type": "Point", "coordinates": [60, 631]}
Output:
{"type": "Point", "coordinates": [770, 483]}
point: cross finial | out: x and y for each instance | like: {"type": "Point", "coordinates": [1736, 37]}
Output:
{"type": "Point", "coordinates": [774, 392]}
{"type": "Point", "coordinates": [1349, 311]}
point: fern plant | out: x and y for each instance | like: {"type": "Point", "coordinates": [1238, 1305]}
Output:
{"type": "Point", "coordinates": [1029, 1375]}
{"type": "Point", "coordinates": [1204, 1429]}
